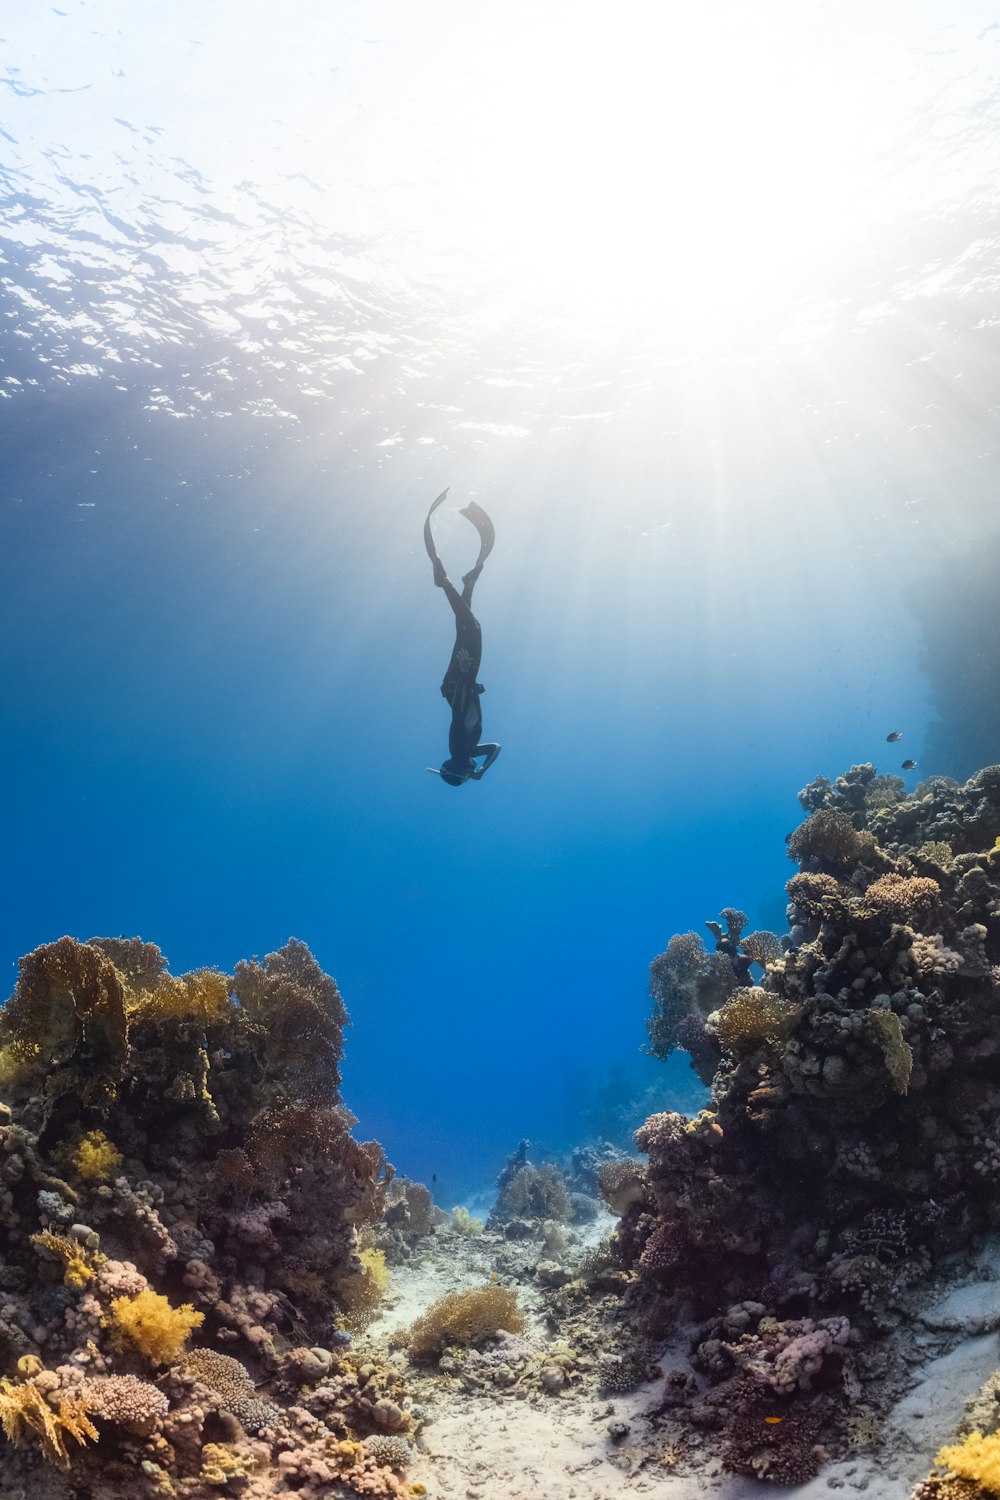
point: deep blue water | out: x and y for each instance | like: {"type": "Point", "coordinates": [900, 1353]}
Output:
{"type": "Point", "coordinates": [221, 648]}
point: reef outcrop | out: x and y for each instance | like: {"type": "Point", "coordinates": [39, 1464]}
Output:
{"type": "Point", "coordinates": [853, 1136]}
{"type": "Point", "coordinates": [181, 1196]}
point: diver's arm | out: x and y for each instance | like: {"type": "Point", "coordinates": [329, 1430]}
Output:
{"type": "Point", "coordinates": [491, 752]}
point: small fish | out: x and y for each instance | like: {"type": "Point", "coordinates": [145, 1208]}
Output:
{"type": "Point", "coordinates": [772, 1420]}
{"type": "Point", "coordinates": [434, 1177]}
{"type": "Point", "coordinates": [909, 765]}
{"type": "Point", "coordinates": [897, 734]}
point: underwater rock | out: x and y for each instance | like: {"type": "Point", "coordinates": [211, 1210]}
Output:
{"type": "Point", "coordinates": [166, 1139]}
{"type": "Point", "coordinates": [854, 1128]}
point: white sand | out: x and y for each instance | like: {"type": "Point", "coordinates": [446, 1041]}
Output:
{"type": "Point", "coordinates": [527, 1445]}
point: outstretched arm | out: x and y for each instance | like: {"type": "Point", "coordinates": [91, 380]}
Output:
{"type": "Point", "coordinates": [491, 752]}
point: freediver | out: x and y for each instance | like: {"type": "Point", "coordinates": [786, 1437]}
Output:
{"type": "Point", "coordinates": [460, 687]}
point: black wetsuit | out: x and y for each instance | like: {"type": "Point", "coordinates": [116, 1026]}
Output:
{"type": "Point", "coordinates": [460, 688]}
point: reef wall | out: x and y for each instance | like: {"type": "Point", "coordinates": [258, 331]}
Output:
{"type": "Point", "coordinates": [180, 1199]}
{"type": "Point", "coordinates": [854, 1132]}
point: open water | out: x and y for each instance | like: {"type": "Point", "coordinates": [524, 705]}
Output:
{"type": "Point", "coordinates": [699, 304]}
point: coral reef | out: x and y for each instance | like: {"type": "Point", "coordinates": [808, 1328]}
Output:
{"type": "Point", "coordinates": [526, 1194]}
{"type": "Point", "coordinates": [687, 984]}
{"type": "Point", "coordinates": [854, 1129]}
{"type": "Point", "coordinates": [465, 1318]}
{"type": "Point", "coordinates": [181, 1200]}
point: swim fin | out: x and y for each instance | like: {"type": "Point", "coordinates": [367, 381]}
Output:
{"type": "Point", "coordinates": [483, 524]}
{"type": "Point", "coordinates": [428, 539]}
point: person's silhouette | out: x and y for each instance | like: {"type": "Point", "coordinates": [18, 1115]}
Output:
{"type": "Point", "coordinates": [460, 687]}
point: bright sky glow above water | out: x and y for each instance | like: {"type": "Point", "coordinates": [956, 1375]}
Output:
{"type": "Point", "coordinates": [699, 301]}
{"type": "Point", "coordinates": [693, 168]}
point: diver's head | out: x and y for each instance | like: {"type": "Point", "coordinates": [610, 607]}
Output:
{"type": "Point", "coordinates": [456, 772]}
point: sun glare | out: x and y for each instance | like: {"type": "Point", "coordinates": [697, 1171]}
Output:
{"type": "Point", "coordinates": [668, 163]}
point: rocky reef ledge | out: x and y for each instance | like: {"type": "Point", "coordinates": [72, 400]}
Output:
{"type": "Point", "coordinates": [209, 1286]}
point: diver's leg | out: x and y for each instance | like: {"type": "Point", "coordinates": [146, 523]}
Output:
{"type": "Point", "coordinates": [439, 573]}
{"type": "Point", "coordinates": [487, 536]}
{"type": "Point", "coordinates": [458, 601]}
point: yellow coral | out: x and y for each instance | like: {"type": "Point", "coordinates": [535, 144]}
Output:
{"type": "Point", "coordinates": [219, 1464]}
{"type": "Point", "coordinates": [15, 1066]}
{"type": "Point", "coordinates": [462, 1222]}
{"type": "Point", "coordinates": [363, 1292]}
{"type": "Point", "coordinates": [465, 1318]}
{"type": "Point", "coordinates": [754, 1015]}
{"type": "Point", "coordinates": [157, 1330]}
{"type": "Point", "coordinates": [96, 1158]}
{"type": "Point", "coordinates": [202, 995]}
{"type": "Point", "coordinates": [80, 1266]}
{"type": "Point", "coordinates": [23, 1408]}
{"type": "Point", "coordinates": [978, 1458]}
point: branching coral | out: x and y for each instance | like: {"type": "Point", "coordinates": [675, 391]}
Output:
{"type": "Point", "coordinates": [621, 1183]}
{"type": "Point", "coordinates": [96, 1158]}
{"type": "Point", "coordinates": [364, 1292]}
{"type": "Point", "coordinates": [531, 1192]}
{"type": "Point", "coordinates": [124, 1400]}
{"type": "Point", "coordinates": [828, 841]}
{"type": "Point", "coordinates": [201, 996]}
{"type": "Point", "coordinates": [80, 1265]}
{"type": "Point", "coordinates": [899, 898]}
{"type": "Point", "coordinates": [685, 980]}
{"type": "Point", "coordinates": [761, 948]}
{"type": "Point", "coordinates": [68, 1012]}
{"type": "Point", "coordinates": [465, 1318]}
{"type": "Point", "coordinates": [23, 1409]}
{"type": "Point", "coordinates": [819, 897]}
{"type": "Point", "coordinates": [753, 1016]}
{"type": "Point", "coordinates": [299, 1018]}
{"type": "Point", "coordinates": [231, 1383]}
{"type": "Point", "coordinates": [158, 1330]}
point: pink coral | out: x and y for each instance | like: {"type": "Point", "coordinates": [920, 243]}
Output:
{"type": "Point", "coordinates": [125, 1400]}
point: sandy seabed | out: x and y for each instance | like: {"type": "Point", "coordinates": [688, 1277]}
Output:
{"type": "Point", "coordinates": [481, 1443]}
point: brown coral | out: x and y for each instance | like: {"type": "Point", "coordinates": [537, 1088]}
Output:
{"type": "Point", "coordinates": [818, 896]}
{"type": "Point", "coordinates": [465, 1318]}
{"type": "Point", "coordinates": [68, 1000]}
{"type": "Point", "coordinates": [829, 839]}
{"type": "Point", "coordinates": [621, 1183]}
{"type": "Point", "coordinates": [900, 898]}
{"type": "Point", "coordinates": [752, 1016]}
{"type": "Point", "coordinates": [299, 1020]}
{"type": "Point", "coordinates": [761, 948]}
